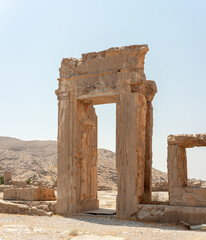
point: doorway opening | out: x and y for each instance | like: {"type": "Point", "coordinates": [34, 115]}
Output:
{"type": "Point", "coordinates": [196, 167]}
{"type": "Point", "coordinates": [107, 172]}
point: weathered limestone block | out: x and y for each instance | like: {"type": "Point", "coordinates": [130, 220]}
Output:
{"type": "Point", "coordinates": [188, 140]}
{"type": "Point", "coordinates": [98, 77]}
{"type": "Point", "coordinates": [147, 88]}
{"type": "Point", "coordinates": [148, 154]}
{"type": "Point", "coordinates": [66, 167]}
{"type": "Point", "coordinates": [3, 187]}
{"type": "Point", "coordinates": [19, 184]}
{"type": "Point", "coordinates": [86, 158]}
{"type": "Point", "coordinates": [179, 193]}
{"type": "Point", "coordinates": [77, 183]}
{"type": "Point", "coordinates": [188, 196]}
{"type": "Point", "coordinates": [123, 58]}
{"type": "Point", "coordinates": [29, 194]}
{"type": "Point", "coordinates": [16, 208]}
{"type": "Point", "coordinates": [130, 156]}
{"type": "Point", "coordinates": [171, 214]}
{"type": "Point", "coordinates": [9, 207]}
{"type": "Point", "coordinates": [7, 177]}
{"type": "Point", "coordinates": [177, 166]}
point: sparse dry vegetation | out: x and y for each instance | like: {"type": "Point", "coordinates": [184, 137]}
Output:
{"type": "Point", "coordinates": [74, 232]}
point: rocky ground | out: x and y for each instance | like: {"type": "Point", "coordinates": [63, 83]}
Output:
{"type": "Point", "coordinates": [37, 160]}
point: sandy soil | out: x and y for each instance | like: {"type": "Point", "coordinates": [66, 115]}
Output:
{"type": "Point", "coordinates": [56, 227]}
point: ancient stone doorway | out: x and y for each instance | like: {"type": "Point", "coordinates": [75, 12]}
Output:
{"type": "Point", "coordinates": [196, 155]}
{"type": "Point", "coordinates": [107, 171]}
{"type": "Point", "coordinates": [112, 76]}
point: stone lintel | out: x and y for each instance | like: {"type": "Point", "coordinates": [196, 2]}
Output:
{"type": "Point", "coordinates": [119, 58]}
{"type": "Point", "coordinates": [97, 94]}
{"type": "Point", "coordinates": [188, 140]}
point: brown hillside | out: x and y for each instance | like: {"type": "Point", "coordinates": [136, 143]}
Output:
{"type": "Point", "coordinates": [37, 160]}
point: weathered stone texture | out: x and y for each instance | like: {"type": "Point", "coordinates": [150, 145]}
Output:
{"type": "Point", "coordinates": [7, 177]}
{"type": "Point", "coordinates": [123, 59]}
{"type": "Point", "coordinates": [177, 166]}
{"type": "Point", "coordinates": [19, 184]}
{"type": "Point", "coordinates": [130, 156]}
{"type": "Point", "coordinates": [98, 77]}
{"type": "Point", "coordinates": [148, 154]}
{"type": "Point", "coordinates": [188, 140]}
{"type": "Point", "coordinates": [171, 214]}
{"type": "Point", "coordinates": [188, 196]}
{"type": "Point", "coordinates": [116, 76]}
{"type": "Point", "coordinates": [29, 194]}
{"type": "Point", "coordinates": [179, 192]}
{"type": "Point", "coordinates": [23, 209]}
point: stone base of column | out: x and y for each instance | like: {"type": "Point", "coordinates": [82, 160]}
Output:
{"type": "Point", "coordinates": [87, 205]}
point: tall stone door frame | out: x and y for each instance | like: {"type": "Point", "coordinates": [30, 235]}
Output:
{"type": "Point", "coordinates": [112, 76]}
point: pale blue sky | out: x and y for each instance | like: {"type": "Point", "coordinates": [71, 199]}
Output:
{"type": "Point", "coordinates": [36, 35]}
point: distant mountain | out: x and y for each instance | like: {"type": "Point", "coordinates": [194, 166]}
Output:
{"type": "Point", "coordinates": [37, 160]}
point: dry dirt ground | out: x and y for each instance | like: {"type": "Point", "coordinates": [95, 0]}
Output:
{"type": "Point", "coordinates": [16, 227]}
{"type": "Point", "coordinates": [19, 227]}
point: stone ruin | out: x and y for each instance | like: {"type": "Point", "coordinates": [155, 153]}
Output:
{"type": "Point", "coordinates": [7, 177]}
{"type": "Point", "coordinates": [180, 194]}
{"type": "Point", "coordinates": [112, 76]}
{"type": "Point", "coordinates": [22, 198]}
{"type": "Point", "coordinates": [117, 76]}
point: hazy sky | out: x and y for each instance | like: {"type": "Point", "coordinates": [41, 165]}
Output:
{"type": "Point", "coordinates": [36, 35]}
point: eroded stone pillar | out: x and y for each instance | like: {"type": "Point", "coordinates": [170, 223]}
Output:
{"type": "Point", "coordinates": [86, 156]}
{"type": "Point", "coordinates": [148, 154]}
{"type": "Point", "coordinates": [77, 157]}
{"type": "Point", "coordinates": [7, 177]}
{"type": "Point", "coordinates": [177, 168]}
{"type": "Point", "coordinates": [66, 164]}
{"type": "Point", "coordinates": [130, 151]}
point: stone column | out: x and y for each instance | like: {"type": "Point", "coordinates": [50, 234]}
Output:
{"type": "Point", "coordinates": [86, 157]}
{"type": "Point", "coordinates": [177, 167]}
{"type": "Point", "coordinates": [148, 155]}
{"type": "Point", "coordinates": [130, 151]}
{"type": "Point", "coordinates": [77, 156]}
{"type": "Point", "coordinates": [7, 177]}
{"type": "Point", "coordinates": [66, 166]}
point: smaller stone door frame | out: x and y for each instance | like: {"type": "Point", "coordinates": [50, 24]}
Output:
{"type": "Point", "coordinates": [179, 192]}
{"type": "Point", "coordinates": [112, 76]}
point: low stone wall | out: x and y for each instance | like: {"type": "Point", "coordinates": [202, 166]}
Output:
{"type": "Point", "coordinates": [188, 196]}
{"type": "Point", "coordinates": [3, 187]}
{"type": "Point", "coordinates": [19, 184]}
{"type": "Point", "coordinates": [24, 209]}
{"type": "Point", "coordinates": [171, 214]}
{"type": "Point", "coordinates": [29, 194]}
